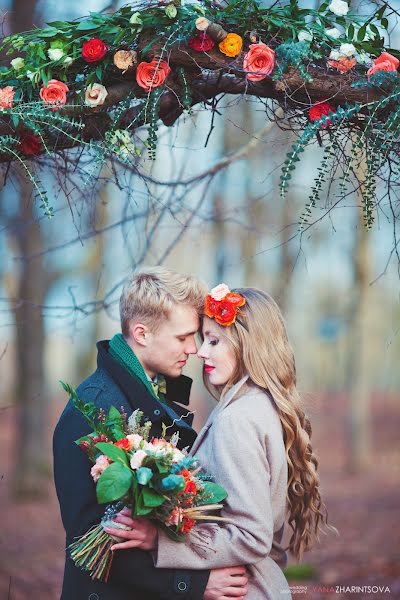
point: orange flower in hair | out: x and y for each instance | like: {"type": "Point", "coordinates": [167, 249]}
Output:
{"type": "Point", "coordinates": [223, 305]}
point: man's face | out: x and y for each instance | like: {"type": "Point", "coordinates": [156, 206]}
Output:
{"type": "Point", "coordinates": [168, 348]}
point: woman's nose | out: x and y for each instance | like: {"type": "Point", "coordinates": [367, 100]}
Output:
{"type": "Point", "coordinates": [202, 351]}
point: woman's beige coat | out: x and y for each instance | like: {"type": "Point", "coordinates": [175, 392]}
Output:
{"type": "Point", "coordinates": [242, 446]}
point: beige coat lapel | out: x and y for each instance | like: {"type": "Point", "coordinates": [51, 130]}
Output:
{"type": "Point", "coordinates": [223, 403]}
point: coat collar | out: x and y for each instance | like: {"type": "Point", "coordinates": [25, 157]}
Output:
{"type": "Point", "coordinates": [138, 396]}
{"type": "Point", "coordinates": [224, 401]}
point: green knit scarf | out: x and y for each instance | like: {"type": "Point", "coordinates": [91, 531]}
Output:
{"type": "Point", "coordinates": [123, 353]}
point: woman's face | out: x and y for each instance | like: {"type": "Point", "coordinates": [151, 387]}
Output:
{"type": "Point", "coordinates": [217, 353]}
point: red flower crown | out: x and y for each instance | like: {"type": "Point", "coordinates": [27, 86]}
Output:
{"type": "Point", "coordinates": [223, 305]}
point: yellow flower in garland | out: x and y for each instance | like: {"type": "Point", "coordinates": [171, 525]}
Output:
{"type": "Point", "coordinates": [231, 45]}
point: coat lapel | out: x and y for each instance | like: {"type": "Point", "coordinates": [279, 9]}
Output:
{"type": "Point", "coordinates": [224, 401]}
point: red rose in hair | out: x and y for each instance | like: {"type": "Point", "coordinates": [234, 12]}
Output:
{"type": "Point", "coordinates": [94, 50]}
{"type": "Point", "coordinates": [187, 525]}
{"type": "Point", "coordinates": [226, 313]}
{"type": "Point", "coordinates": [31, 144]}
{"type": "Point", "coordinates": [321, 108]}
{"type": "Point", "coordinates": [201, 42]}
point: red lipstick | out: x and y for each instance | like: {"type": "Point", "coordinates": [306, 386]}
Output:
{"type": "Point", "coordinates": [208, 368]}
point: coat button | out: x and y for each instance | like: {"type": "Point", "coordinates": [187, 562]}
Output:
{"type": "Point", "coordinates": [157, 412]}
{"type": "Point", "coordinates": [182, 586]}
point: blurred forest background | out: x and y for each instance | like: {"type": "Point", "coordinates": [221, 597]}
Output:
{"type": "Point", "coordinates": [196, 211]}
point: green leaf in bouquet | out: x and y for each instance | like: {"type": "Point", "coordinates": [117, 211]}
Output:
{"type": "Point", "coordinates": [114, 483]}
{"type": "Point", "coordinates": [113, 452]}
{"type": "Point", "coordinates": [161, 467]}
{"type": "Point", "coordinates": [152, 498]}
{"type": "Point", "coordinates": [215, 493]}
{"type": "Point", "coordinates": [140, 509]}
{"type": "Point", "coordinates": [143, 475]}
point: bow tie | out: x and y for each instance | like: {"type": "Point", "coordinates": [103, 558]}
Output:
{"type": "Point", "coordinates": [160, 387]}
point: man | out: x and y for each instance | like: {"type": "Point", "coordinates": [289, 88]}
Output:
{"type": "Point", "coordinates": [141, 368]}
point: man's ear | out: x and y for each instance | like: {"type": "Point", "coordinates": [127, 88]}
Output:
{"type": "Point", "coordinates": [139, 333]}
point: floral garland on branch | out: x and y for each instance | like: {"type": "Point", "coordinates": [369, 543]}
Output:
{"type": "Point", "coordinates": [99, 78]}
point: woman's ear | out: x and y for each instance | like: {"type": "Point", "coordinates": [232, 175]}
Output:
{"type": "Point", "coordinates": [139, 333]}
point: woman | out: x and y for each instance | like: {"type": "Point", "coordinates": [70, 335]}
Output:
{"type": "Point", "coordinates": [256, 443]}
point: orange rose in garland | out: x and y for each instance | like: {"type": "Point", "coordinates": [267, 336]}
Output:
{"type": "Point", "coordinates": [259, 62]}
{"type": "Point", "coordinates": [385, 62]}
{"type": "Point", "coordinates": [54, 93]}
{"type": "Point", "coordinates": [94, 50]}
{"type": "Point", "coordinates": [231, 45]}
{"type": "Point", "coordinates": [153, 74]}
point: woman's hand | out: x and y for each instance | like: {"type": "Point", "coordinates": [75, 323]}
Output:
{"type": "Point", "coordinates": [142, 534]}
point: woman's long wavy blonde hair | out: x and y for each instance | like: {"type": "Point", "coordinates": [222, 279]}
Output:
{"type": "Point", "coordinates": [264, 353]}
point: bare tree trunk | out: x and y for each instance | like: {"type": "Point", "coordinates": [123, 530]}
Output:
{"type": "Point", "coordinates": [359, 394]}
{"type": "Point", "coordinates": [32, 283]}
{"type": "Point", "coordinates": [31, 460]}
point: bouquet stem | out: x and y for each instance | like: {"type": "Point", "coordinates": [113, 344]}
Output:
{"type": "Point", "coordinates": [92, 552]}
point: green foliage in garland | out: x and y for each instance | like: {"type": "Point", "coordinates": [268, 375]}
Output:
{"type": "Point", "coordinates": [297, 55]}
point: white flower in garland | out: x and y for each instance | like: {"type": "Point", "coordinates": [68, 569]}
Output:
{"type": "Point", "coordinates": [333, 32]}
{"type": "Point", "coordinates": [136, 21]}
{"type": "Point", "coordinates": [17, 63]}
{"type": "Point", "coordinates": [339, 8]}
{"type": "Point", "coordinates": [347, 50]}
{"type": "Point", "coordinates": [305, 36]}
{"type": "Point", "coordinates": [67, 60]}
{"type": "Point", "coordinates": [55, 53]}
{"type": "Point", "coordinates": [95, 95]}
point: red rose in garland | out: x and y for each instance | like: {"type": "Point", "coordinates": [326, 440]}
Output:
{"type": "Point", "coordinates": [321, 108]}
{"type": "Point", "coordinates": [94, 50]}
{"type": "Point", "coordinates": [201, 42]}
{"type": "Point", "coordinates": [31, 144]}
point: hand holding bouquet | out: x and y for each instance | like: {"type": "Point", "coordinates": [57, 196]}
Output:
{"type": "Point", "coordinates": [153, 478]}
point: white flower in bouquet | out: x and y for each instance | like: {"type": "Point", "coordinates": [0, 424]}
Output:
{"type": "Point", "coordinates": [305, 36]}
{"type": "Point", "coordinates": [135, 440]}
{"type": "Point", "coordinates": [339, 7]}
{"type": "Point", "coordinates": [137, 459]}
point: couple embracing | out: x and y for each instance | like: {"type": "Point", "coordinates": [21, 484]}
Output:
{"type": "Point", "coordinates": [256, 443]}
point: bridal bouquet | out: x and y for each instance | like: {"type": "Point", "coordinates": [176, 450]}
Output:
{"type": "Point", "coordinates": [151, 477]}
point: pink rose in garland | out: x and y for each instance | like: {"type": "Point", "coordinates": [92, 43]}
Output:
{"type": "Point", "coordinates": [259, 62]}
{"type": "Point", "coordinates": [384, 62]}
{"type": "Point", "coordinates": [201, 42]}
{"type": "Point", "coordinates": [321, 107]}
{"type": "Point", "coordinates": [153, 74]}
{"type": "Point", "coordinates": [54, 94]}
{"type": "Point", "coordinates": [6, 96]}
{"type": "Point", "coordinates": [94, 50]}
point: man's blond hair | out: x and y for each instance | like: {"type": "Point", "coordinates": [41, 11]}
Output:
{"type": "Point", "coordinates": [150, 294]}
